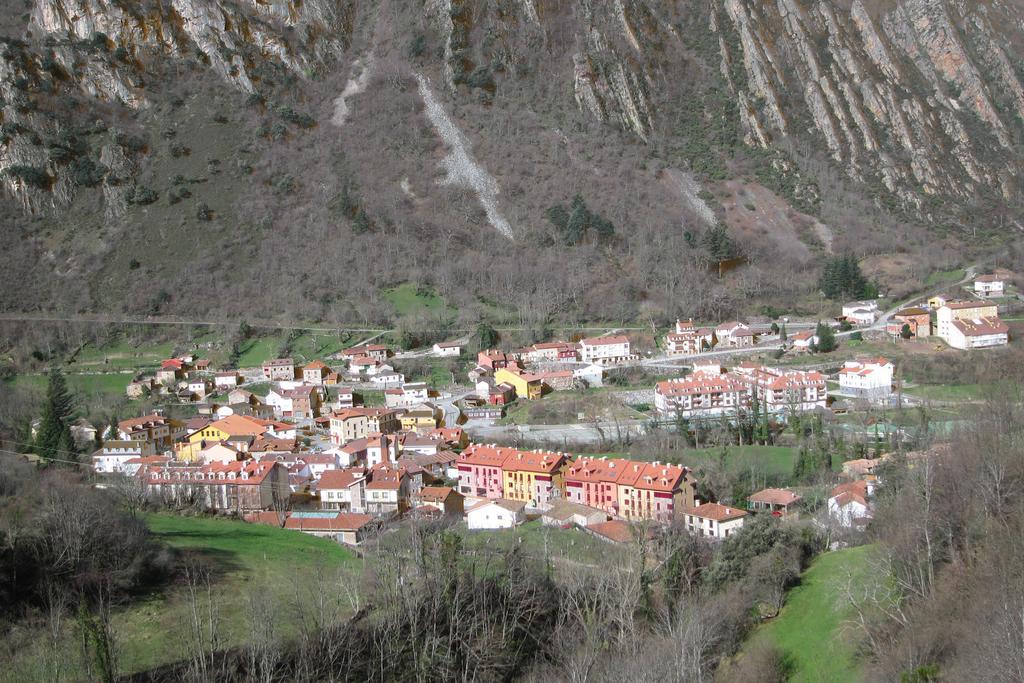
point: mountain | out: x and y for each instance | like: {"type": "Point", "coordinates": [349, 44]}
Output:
{"type": "Point", "coordinates": [530, 160]}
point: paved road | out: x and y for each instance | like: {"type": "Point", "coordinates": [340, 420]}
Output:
{"type": "Point", "coordinates": [590, 433]}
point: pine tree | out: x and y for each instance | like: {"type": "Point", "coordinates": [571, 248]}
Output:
{"type": "Point", "coordinates": [826, 339]}
{"type": "Point", "coordinates": [782, 333]}
{"type": "Point", "coordinates": [53, 440]}
{"type": "Point", "coordinates": [579, 219]}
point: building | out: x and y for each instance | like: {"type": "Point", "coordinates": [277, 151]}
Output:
{"type": "Point", "coordinates": [778, 502]}
{"type": "Point", "coordinates": [605, 350]}
{"type": "Point", "coordinates": [785, 392]}
{"type": "Point", "coordinates": [139, 387]}
{"type": "Point", "coordinates": [349, 424]}
{"type": "Point", "coordinates": [702, 396]}
{"type": "Point", "coordinates": [279, 369]}
{"type": "Point", "coordinates": [226, 380]}
{"type": "Point", "coordinates": [377, 352]}
{"type": "Point", "coordinates": [978, 333]}
{"type": "Point", "coordinates": [336, 488]}
{"type": "Point", "coordinates": [409, 394]}
{"type": "Point", "coordinates": [565, 514]}
{"type": "Point", "coordinates": [937, 302]}
{"type": "Point", "coordinates": [480, 471]}
{"type": "Point", "coordinates": [113, 455]}
{"type": "Point", "coordinates": [989, 285]}
{"type": "Point", "coordinates": [533, 477]}
{"type": "Point", "coordinates": [300, 402]}
{"type": "Point", "coordinates": [861, 312]}
{"type": "Point", "coordinates": [420, 418]}
{"type": "Point", "coordinates": [961, 310]}
{"type": "Point", "coordinates": [316, 372]}
{"type": "Point", "coordinates": [226, 487]}
{"type": "Point", "coordinates": [803, 341]}
{"type": "Point", "coordinates": [867, 378]}
{"type": "Point", "coordinates": [526, 385]}
{"type": "Point", "coordinates": [495, 394]}
{"type": "Point", "coordinates": [387, 490]}
{"type": "Point", "coordinates": [712, 520]}
{"type": "Point", "coordinates": [496, 514]}
{"type": "Point", "coordinates": [849, 505]}
{"type": "Point", "coordinates": [689, 340]}
{"type": "Point", "coordinates": [447, 349]}
{"type": "Point", "coordinates": [725, 332]}
{"type": "Point", "coordinates": [349, 528]}
{"type": "Point", "coordinates": [630, 489]}
{"type": "Point", "coordinates": [549, 352]}
{"type": "Point", "coordinates": [919, 320]}
{"type": "Point", "coordinates": [152, 427]}
{"type": "Point", "coordinates": [442, 499]}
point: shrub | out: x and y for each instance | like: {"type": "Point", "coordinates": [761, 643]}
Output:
{"type": "Point", "coordinates": [142, 195]}
{"type": "Point", "coordinates": [31, 176]}
{"type": "Point", "coordinates": [204, 212]}
{"type": "Point", "coordinates": [87, 173]}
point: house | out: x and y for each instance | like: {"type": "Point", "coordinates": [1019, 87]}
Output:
{"type": "Point", "coordinates": [919, 320]}
{"type": "Point", "coordinates": [421, 442]}
{"type": "Point", "coordinates": [228, 487]}
{"type": "Point", "coordinates": [454, 437]}
{"type": "Point", "coordinates": [861, 312]}
{"type": "Point", "coordinates": [565, 514]}
{"type": "Point", "coordinates": [242, 396]}
{"type": "Point", "coordinates": [345, 398]}
{"type": "Point", "coordinates": [802, 341]}
{"type": "Point", "coordinates": [114, 454]}
{"type": "Point", "coordinates": [781, 393]}
{"type": "Point", "coordinates": [226, 380]}
{"type": "Point", "coordinates": [381, 449]}
{"type": "Point", "coordinates": [496, 514]}
{"type": "Point", "coordinates": [702, 395]}
{"type": "Point", "coordinates": [778, 502]}
{"type": "Point", "coordinates": [364, 365]}
{"type": "Point", "coordinates": [440, 465]}
{"type": "Point", "coordinates": [989, 285]}
{"type": "Point", "coordinates": [409, 394]}
{"type": "Point", "coordinates": [443, 349]}
{"type": "Point", "coordinates": [867, 378]}
{"type": "Point", "coordinates": [590, 375]}
{"type": "Point", "coordinates": [386, 377]}
{"type": "Point", "coordinates": [349, 424]}
{"type": "Point", "coordinates": [335, 488]}
{"type": "Point", "coordinates": [493, 359]}
{"type": "Point", "coordinates": [83, 433]}
{"type": "Point", "coordinates": [480, 471]}
{"type": "Point", "coordinates": [279, 369]}
{"type": "Point", "coordinates": [712, 520]}
{"type": "Point", "coordinates": [443, 499]}
{"type": "Point", "coordinates": [377, 352]}
{"type": "Point", "coordinates": [688, 340]}
{"type": "Point", "coordinates": [863, 468]}
{"type": "Point", "coordinates": [153, 427]}
{"type": "Point", "coordinates": [605, 350]}
{"type": "Point", "coordinates": [725, 332]}
{"type": "Point", "coordinates": [344, 527]}
{"type": "Point", "coordinates": [937, 302]}
{"type": "Point", "coordinates": [961, 310]}
{"type": "Point", "coordinates": [849, 504]}
{"type": "Point", "coordinates": [387, 490]}
{"type": "Point", "coordinates": [526, 385]}
{"type": "Point", "coordinates": [300, 402]}
{"type": "Point", "coordinates": [315, 372]}
{"type": "Point", "coordinates": [548, 352]}
{"type": "Point", "coordinates": [219, 453]}
{"type": "Point", "coordinates": [612, 531]}
{"type": "Point", "coordinates": [199, 386]}
{"type": "Point", "coordinates": [556, 380]}
{"type": "Point", "coordinates": [494, 393]}
{"type": "Point", "coordinates": [420, 418]}
{"type": "Point", "coordinates": [485, 412]}
{"type": "Point", "coordinates": [745, 338]}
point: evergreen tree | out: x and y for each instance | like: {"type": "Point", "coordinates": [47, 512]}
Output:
{"type": "Point", "coordinates": [826, 339]}
{"type": "Point", "coordinates": [841, 277]}
{"type": "Point", "coordinates": [782, 333]}
{"type": "Point", "coordinates": [579, 218]}
{"type": "Point", "coordinates": [719, 245]}
{"type": "Point", "coordinates": [905, 331]}
{"type": "Point", "coordinates": [53, 440]}
{"type": "Point", "coordinates": [486, 337]}
{"type": "Point", "coordinates": [362, 222]}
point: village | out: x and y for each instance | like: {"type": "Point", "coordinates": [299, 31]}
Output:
{"type": "Point", "coordinates": [308, 453]}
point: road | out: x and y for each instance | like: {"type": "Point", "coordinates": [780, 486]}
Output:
{"type": "Point", "coordinates": [583, 433]}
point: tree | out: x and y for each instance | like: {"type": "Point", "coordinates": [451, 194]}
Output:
{"type": "Point", "coordinates": [841, 277]}
{"type": "Point", "coordinates": [719, 245]}
{"type": "Point", "coordinates": [53, 440]}
{"type": "Point", "coordinates": [905, 331]}
{"type": "Point", "coordinates": [826, 339]}
{"type": "Point", "coordinates": [782, 333]}
{"type": "Point", "coordinates": [486, 337]}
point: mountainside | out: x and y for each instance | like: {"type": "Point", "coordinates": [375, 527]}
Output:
{"type": "Point", "coordinates": [191, 156]}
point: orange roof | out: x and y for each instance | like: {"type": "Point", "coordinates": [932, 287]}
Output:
{"type": "Point", "coordinates": [614, 530]}
{"type": "Point", "coordinates": [315, 365]}
{"type": "Point", "coordinates": [239, 425]}
{"type": "Point", "coordinates": [981, 326]}
{"type": "Point", "coordinates": [853, 491]}
{"type": "Point", "coordinates": [605, 341]}
{"type": "Point", "coordinates": [957, 305]}
{"type": "Point", "coordinates": [386, 477]}
{"type": "Point", "coordinates": [775, 497]}
{"type": "Point", "coordinates": [134, 423]}
{"type": "Point", "coordinates": [717, 512]}
{"type": "Point", "coordinates": [341, 479]}
{"type": "Point", "coordinates": [435, 494]}
{"type": "Point", "coordinates": [343, 521]}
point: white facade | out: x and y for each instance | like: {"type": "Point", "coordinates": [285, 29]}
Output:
{"type": "Point", "coordinates": [592, 374]}
{"type": "Point", "coordinates": [848, 512]}
{"type": "Point", "coordinates": [495, 515]}
{"type": "Point", "coordinates": [967, 336]}
{"type": "Point", "coordinates": [715, 526]}
{"type": "Point", "coordinates": [226, 381]}
{"type": "Point", "coordinates": [989, 287]}
{"type": "Point", "coordinates": [604, 350]}
{"type": "Point", "coordinates": [867, 377]}
{"type": "Point", "coordinates": [447, 349]}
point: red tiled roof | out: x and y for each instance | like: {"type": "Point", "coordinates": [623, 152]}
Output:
{"type": "Point", "coordinates": [851, 491]}
{"type": "Point", "coordinates": [774, 497]}
{"type": "Point", "coordinates": [981, 326]}
{"type": "Point", "coordinates": [605, 341]}
{"type": "Point", "coordinates": [614, 530]}
{"type": "Point", "coordinates": [344, 521]}
{"type": "Point", "coordinates": [717, 512]}
{"type": "Point", "coordinates": [340, 479]}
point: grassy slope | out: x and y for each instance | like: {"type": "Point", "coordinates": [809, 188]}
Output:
{"type": "Point", "coordinates": [407, 301]}
{"type": "Point", "coordinates": [810, 630]}
{"type": "Point", "coordinates": [764, 459]}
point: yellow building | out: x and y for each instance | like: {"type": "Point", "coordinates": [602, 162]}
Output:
{"type": "Point", "coordinates": [936, 302]}
{"type": "Point", "coordinates": [420, 418]}
{"type": "Point", "coordinates": [526, 385]}
{"type": "Point", "coordinates": [532, 477]}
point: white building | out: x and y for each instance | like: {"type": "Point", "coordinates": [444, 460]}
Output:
{"type": "Point", "coordinates": [702, 395]}
{"type": "Point", "coordinates": [861, 312]}
{"type": "Point", "coordinates": [443, 349]}
{"type": "Point", "coordinates": [867, 377]}
{"type": "Point", "coordinates": [849, 504]}
{"type": "Point", "coordinates": [989, 285]}
{"type": "Point", "coordinates": [605, 350]}
{"type": "Point", "coordinates": [712, 520]}
{"type": "Point", "coordinates": [113, 455]}
{"type": "Point", "coordinates": [726, 332]}
{"type": "Point", "coordinates": [226, 380]}
{"type": "Point", "coordinates": [410, 394]}
{"type": "Point", "coordinates": [499, 513]}
{"type": "Point", "coordinates": [339, 488]}
{"type": "Point", "coordinates": [970, 325]}
{"type": "Point", "coordinates": [592, 374]}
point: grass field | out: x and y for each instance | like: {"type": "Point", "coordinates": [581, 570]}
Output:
{"type": "Point", "coordinates": [247, 560]}
{"type": "Point", "coordinates": [255, 351]}
{"type": "Point", "coordinates": [408, 301]}
{"type": "Point", "coordinates": [564, 407]}
{"type": "Point", "coordinates": [948, 392]}
{"type": "Point", "coordinates": [770, 460]}
{"type": "Point", "coordinates": [810, 630]}
{"type": "Point", "coordinates": [121, 356]}
{"type": "Point", "coordinates": [943, 277]}
{"type": "Point", "coordinates": [84, 386]}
